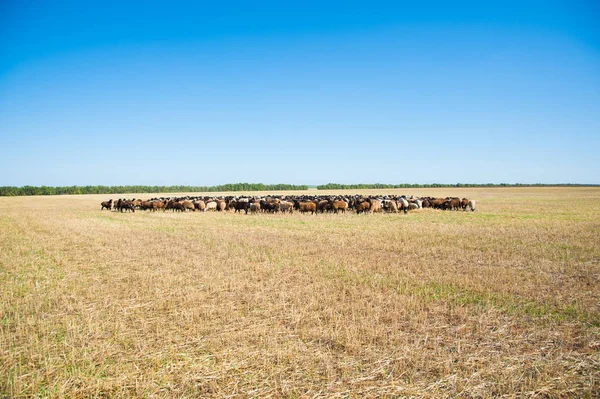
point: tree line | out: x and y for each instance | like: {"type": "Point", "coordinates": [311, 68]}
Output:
{"type": "Point", "coordinates": [62, 190]}
{"type": "Point", "coordinates": [336, 186]}
{"type": "Point", "coordinates": [8, 191]}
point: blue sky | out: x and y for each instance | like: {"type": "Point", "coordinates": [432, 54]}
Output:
{"type": "Point", "coordinates": [351, 92]}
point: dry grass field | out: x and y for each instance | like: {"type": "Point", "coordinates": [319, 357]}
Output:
{"type": "Point", "coordinates": [501, 302]}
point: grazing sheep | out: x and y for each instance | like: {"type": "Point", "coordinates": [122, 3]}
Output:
{"type": "Point", "coordinates": [241, 206]}
{"type": "Point", "coordinates": [375, 206]}
{"type": "Point", "coordinates": [308, 207]}
{"type": "Point", "coordinates": [285, 206]}
{"type": "Point", "coordinates": [156, 205]}
{"type": "Point", "coordinates": [125, 205]}
{"type": "Point", "coordinates": [146, 205]}
{"type": "Point", "coordinates": [363, 206]}
{"type": "Point", "coordinates": [137, 203]}
{"type": "Point", "coordinates": [464, 203]}
{"type": "Point", "coordinates": [390, 206]}
{"type": "Point", "coordinates": [451, 204]}
{"type": "Point", "coordinates": [403, 204]}
{"type": "Point", "coordinates": [303, 203]}
{"type": "Point", "coordinates": [437, 203]}
{"type": "Point", "coordinates": [472, 205]}
{"type": "Point", "coordinates": [267, 206]}
{"type": "Point", "coordinates": [188, 205]}
{"type": "Point", "coordinates": [170, 205]}
{"type": "Point", "coordinates": [200, 205]}
{"type": "Point", "coordinates": [106, 204]}
{"type": "Point", "coordinates": [340, 206]}
{"type": "Point", "coordinates": [322, 206]}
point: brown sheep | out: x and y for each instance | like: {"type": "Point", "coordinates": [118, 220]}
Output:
{"type": "Point", "coordinates": [188, 205]}
{"type": "Point", "coordinates": [200, 205]}
{"type": "Point", "coordinates": [391, 206]}
{"type": "Point", "coordinates": [308, 207]}
{"type": "Point", "coordinates": [125, 205]}
{"type": "Point", "coordinates": [375, 206]}
{"type": "Point", "coordinates": [169, 205]}
{"type": "Point", "coordinates": [106, 204]}
{"type": "Point", "coordinates": [437, 203]}
{"type": "Point", "coordinates": [452, 204]}
{"type": "Point", "coordinates": [322, 206]}
{"type": "Point", "coordinates": [275, 206]}
{"type": "Point", "coordinates": [340, 206]}
{"type": "Point", "coordinates": [464, 203]}
{"type": "Point", "coordinates": [156, 205]}
{"type": "Point", "coordinates": [363, 206]}
{"type": "Point", "coordinates": [285, 206]}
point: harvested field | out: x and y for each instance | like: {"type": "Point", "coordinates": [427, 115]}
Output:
{"type": "Point", "coordinates": [504, 301]}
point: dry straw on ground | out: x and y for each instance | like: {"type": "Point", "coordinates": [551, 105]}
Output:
{"type": "Point", "coordinates": [499, 302]}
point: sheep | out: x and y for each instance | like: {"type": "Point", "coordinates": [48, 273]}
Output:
{"type": "Point", "coordinates": [437, 203]}
{"type": "Point", "coordinates": [375, 206]}
{"type": "Point", "coordinates": [241, 205]}
{"type": "Point", "coordinates": [304, 203]}
{"type": "Point", "coordinates": [188, 205]}
{"type": "Point", "coordinates": [285, 206]}
{"type": "Point", "coordinates": [156, 205]}
{"type": "Point", "coordinates": [308, 207]}
{"type": "Point", "coordinates": [322, 206]}
{"type": "Point", "coordinates": [125, 205]}
{"type": "Point", "coordinates": [464, 203]}
{"type": "Point", "coordinates": [340, 206]}
{"type": "Point", "coordinates": [200, 205]}
{"type": "Point", "coordinates": [403, 204]}
{"type": "Point", "coordinates": [363, 206]}
{"type": "Point", "coordinates": [390, 206]}
{"type": "Point", "coordinates": [452, 204]}
{"type": "Point", "coordinates": [137, 203]}
{"type": "Point", "coordinates": [146, 205]}
{"type": "Point", "coordinates": [254, 207]}
{"type": "Point", "coordinates": [472, 205]}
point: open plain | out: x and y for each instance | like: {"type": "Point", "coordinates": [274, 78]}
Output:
{"type": "Point", "coordinates": [501, 302]}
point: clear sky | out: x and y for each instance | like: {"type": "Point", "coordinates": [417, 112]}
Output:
{"type": "Point", "coordinates": [205, 93]}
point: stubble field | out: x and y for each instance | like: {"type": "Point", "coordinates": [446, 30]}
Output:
{"type": "Point", "coordinates": [504, 301]}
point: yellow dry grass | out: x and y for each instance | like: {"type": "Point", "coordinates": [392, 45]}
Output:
{"type": "Point", "coordinates": [499, 302]}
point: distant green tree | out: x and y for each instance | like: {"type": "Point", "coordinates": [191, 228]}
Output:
{"type": "Point", "coordinates": [63, 190]}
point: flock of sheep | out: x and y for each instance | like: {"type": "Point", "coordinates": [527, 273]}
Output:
{"type": "Point", "coordinates": [291, 203]}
